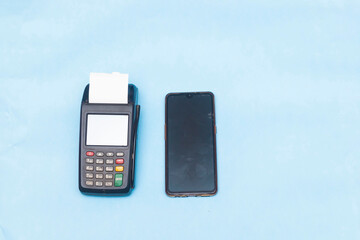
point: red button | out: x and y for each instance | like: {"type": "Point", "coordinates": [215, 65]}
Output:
{"type": "Point", "coordinates": [89, 153]}
{"type": "Point", "coordinates": [119, 161]}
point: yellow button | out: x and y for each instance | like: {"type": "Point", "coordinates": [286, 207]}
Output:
{"type": "Point", "coordinates": [119, 168]}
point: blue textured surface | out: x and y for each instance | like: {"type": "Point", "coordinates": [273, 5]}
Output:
{"type": "Point", "coordinates": [286, 79]}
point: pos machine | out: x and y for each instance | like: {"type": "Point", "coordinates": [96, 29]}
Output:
{"type": "Point", "coordinates": [108, 128]}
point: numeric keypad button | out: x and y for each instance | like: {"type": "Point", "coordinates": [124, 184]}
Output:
{"type": "Point", "coordinates": [109, 161]}
{"type": "Point", "coordinates": [108, 184]}
{"type": "Point", "coordinates": [98, 184]}
{"type": "Point", "coordinates": [99, 176]}
{"type": "Point", "coordinates": [99, 169]}
{"type": "Point", "coordinates": [89, 168]}
{"type": "Point", "coordinates": [89, 183]}
{"type": "Point", "coordinates": [108, 176]}
{"type": "Point", "coordinates": [89, 160]}
{"type": "Point", "coordinates": [89, 175]}
{"type": "Point", "coordinates": [109, 169]}
{"type": "Point", "coordinates": [99, 161]}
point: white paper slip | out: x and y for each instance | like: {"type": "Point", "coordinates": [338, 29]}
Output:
{"type": "Point", "coordinates": [108, 88]}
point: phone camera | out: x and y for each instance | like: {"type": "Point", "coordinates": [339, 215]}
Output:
{"type": "Point", "coordinates": [189, 95]}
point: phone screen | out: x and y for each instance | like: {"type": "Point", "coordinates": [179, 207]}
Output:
{"type": "Point", "coordinates": [190, 144]}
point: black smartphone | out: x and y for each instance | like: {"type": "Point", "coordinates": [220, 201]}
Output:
{"type": "Point", "coordinates": [190, 144]}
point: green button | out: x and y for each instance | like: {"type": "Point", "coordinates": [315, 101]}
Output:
{"type": "Point", "coordinates": [118, 179]}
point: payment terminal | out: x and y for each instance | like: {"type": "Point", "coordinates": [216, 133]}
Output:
{"type": "Point", "coordinates": [108, 128]}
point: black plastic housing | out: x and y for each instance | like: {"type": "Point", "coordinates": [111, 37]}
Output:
{"type": "Point", "coordinates": [131, 109]}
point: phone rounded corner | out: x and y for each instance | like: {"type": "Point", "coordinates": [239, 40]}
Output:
{"type": "Point", "coordinates": [211, 94]}
{"type": "Point", "coordinates": [167, 96]}
{"type": "Point", "coordinates": [214, 192]}
{"type": "Point", "coordinates": [211, 192]}
{"type": "Point", "coordinates": [169, 193]}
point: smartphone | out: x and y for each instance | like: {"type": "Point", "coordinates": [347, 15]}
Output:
{"type": "Point", "coordinates": [190, 144]}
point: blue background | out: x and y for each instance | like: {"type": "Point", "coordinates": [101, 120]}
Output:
{"type": "Point", "coordinates": [286, 80]}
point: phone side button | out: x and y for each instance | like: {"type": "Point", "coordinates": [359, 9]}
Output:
{"type": "Point", "coordinates": [165, 132]}
{"type": "Point", "coordinates": [215, 129]}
